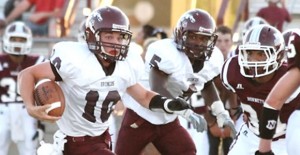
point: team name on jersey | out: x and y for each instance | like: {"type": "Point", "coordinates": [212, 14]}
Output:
{"type": "Point", "coordinates": [107, 84]}
{"type": "Point", "coordinates": [253, 99]}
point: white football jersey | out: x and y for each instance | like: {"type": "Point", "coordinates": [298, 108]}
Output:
{"type": "Point", "coordinates": [178, 66]}
{"type": "Point", "coordinates": [90, 95]}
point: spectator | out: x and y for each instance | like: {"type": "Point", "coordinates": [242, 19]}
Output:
{"type": "Point", "coordinates": [38, 21]}
{"type": "Point", "coordinates": [144, 33]}
{"type": "Point", "coordinates": [224, 41]}
{"type": "Point", "coordinates": [274, 14]}
{"type": "Point", "coordinates": [9, 6]}
{"type": "Point", "coordinates": [15, 123]}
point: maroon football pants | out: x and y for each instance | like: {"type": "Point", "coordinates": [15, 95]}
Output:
{"type": "Point", "coordinates": [169, 139]}
{"type": "Point", "coordinates": [87, 145]}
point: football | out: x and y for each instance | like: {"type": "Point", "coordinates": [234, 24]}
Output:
{"type": "Point", "coordinates": [49, 92]}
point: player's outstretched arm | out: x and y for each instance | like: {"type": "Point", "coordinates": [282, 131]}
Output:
{"type": "Point", "coordinates": [275, 100]}
{"type": "Point", "coordinates": [216, 106]}
{"type": "Point", "coordinates": [156, 102]}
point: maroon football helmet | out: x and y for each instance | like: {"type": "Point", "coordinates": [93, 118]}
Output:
{"type": "Point", "coordinates": [197, 24]}
{"type": "Point", "coordinates": [108, 19]}
{"type": "Point", "coordinates": [270, 42]}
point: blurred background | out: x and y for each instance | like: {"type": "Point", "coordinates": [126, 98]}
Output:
{"type": "Point", "coordinates": [160, 13]}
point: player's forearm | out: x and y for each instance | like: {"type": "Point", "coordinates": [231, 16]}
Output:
{"type": "Point", "coordinates": [26, 87]}
{"type": "Point", "coordinates": [284, 88]}
{"type": "Point", "coordinates": [265, 145]}
{"type": "Point", "coordinates": [209, 93]}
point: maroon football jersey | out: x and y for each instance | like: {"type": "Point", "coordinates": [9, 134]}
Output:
{"type": "Point", "coordinates": [294, 57]}
{"type": "Point", "coordinates": [293, 53]}
{"type": "Point", "coordinates": [9, 71]}
{"type": "Point", "coordinates": [252, 94]}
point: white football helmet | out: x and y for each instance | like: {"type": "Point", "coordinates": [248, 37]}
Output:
{"type": "Point", "coordinates": [254, 21]}
{"type": "Point", "coordinates": [17, 29]}
{"type": "Point", "coordinates": [270, 42]}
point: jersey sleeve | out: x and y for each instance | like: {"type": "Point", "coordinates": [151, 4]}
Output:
{"type": "Point", "coordinates": [63, 60]}
{"type": "Point", "coordinates": [212, 67]}
{"type": "Point", "coordinates": [163, 55]}
{"type": "Point", "coordinates": [225, 74]}
{"type": "Point", "coordinates": [137, 67]}
{"type": "Point", "coordinates": [293, 59]}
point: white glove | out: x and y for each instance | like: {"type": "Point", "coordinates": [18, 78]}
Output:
{"type": "Point", "coordinates": [223, 117]}
{"type": "Point", "coordinates": [47, 149]}
{"type": "Point", "coordinates": [59, 141]}
{"type": "Point", "coordinates": [198, 121]}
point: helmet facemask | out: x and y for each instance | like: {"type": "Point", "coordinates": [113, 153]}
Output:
{"type": "Point", "coordinates": [262, 51]}
{"type": "Point", "coordinates": [258, 68]}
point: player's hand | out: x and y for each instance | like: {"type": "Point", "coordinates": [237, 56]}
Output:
{"type": "Point", "coordinates": [265, 153]}
{"type": "Point", "coordinates": [198, 121]}
{"type": "Point", "coordinates": [223, 119]}
{"type": "Point", "coordinates": [235, 113]}
{"type": "Point", "coordinates": [187, 94]}
{"type": "Point", "coordinates": [219, 132]}
{"type": "Point", "coordinates": [39, 112]}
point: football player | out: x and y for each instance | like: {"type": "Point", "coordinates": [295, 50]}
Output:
{"type": "Point", "coordinates": [94, 77]}
{"type": "Point", "coordinates": [81, 30]}
{"type": "Point", "coordinates": [177, 67]}
{"type": "Point", "coordinates": [251, 22]}
{"type": "Point", "coordinates": [285, 89]}
{"type": "Point", "coordinates": [251, 75]}
{"type": "Point", "coordinates": [15, 123]}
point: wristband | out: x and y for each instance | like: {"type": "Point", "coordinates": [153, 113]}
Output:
{"type": "Point", "coordinates": [265, 153]}
{"type": "Point", "coordinates": [217, 107]}
{"type": "Point", "coordinates": [268, 122]}
{"type": "Point", "coordinates": [160, 102]}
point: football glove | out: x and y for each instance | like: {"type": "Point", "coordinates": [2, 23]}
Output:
{"type": "Point", "coordinates": [223, 117]}
{"type": "Point", "coordinates": [198, 121]}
